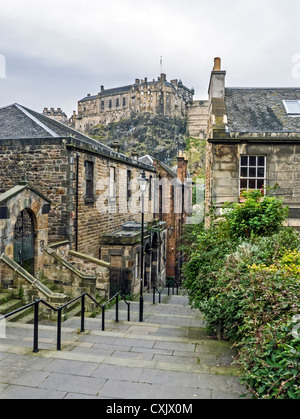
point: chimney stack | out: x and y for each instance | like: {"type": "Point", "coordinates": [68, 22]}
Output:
{"type": "Point", "coordinates": [116, 146]}
{"type": "Point", "coordinates": [135, 155]}
{"type": "Point", "coordinates": [216, 88]}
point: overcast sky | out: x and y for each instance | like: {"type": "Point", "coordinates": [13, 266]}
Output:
{"type": "Point", "coordinates": [58, 51]}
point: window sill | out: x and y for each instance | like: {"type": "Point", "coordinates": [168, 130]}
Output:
{"type": "Point", "coordinates": [89, 200]}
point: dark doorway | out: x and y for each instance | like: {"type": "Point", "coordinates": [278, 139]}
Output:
{"type": "Point", "coordinates": [120, 279]}
{"type": "Point", "coordinates": [24, 238]}
{"type": "Point", "coordinates": [147, 271]}
{"type": "Point", "coordinates": [154, 261]}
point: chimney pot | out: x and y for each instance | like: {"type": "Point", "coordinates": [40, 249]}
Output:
{"type": "Point", "coordinates": [217, 64]}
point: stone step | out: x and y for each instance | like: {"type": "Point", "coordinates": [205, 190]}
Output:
{"type": "Point", "coordinates": [5, 297]}
{"type": "Point", "coordinates": [10, 305]}
{"type": "Point", "coordinates": [129, 360]}
{"type": "Point", "coordinates": [139, 343]}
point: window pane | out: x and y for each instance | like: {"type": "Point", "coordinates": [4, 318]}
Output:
{"type": "Point", "coordinates": [244, 161]}
{"type": "Point", "coordinates": [260, 183]}
{"type": "Point", "coordinates": [292, 106]}
{"type": "Point", "coordinates": [260, 172]}
{"type": "Point", "coordinates": [244, 172]}
{"type": "Point", "coordinates": [252, 184]}
{"type": "Point", "coordinates": [244, 184]}
{"type": "Point", "coordinates": [260, 161]}
{"type": "Point", "coordinates": [252, 172]}
{"type": "Point", "coordinates": [252, 161]}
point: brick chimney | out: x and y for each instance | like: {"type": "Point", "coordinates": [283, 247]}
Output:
{"type": "Point", "coordinates": [181, 167]}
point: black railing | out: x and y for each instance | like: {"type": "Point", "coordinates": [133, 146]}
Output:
{"type": "Point", "coordinates": [59, 310]}
{"type": "Point", "coordinates": [168, 286]}
{"type": "Point", "coordinates": [117, 309]}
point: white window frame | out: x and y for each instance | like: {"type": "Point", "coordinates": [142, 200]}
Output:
{"type": "Point", "coordinates": [248, 177]}
{"type": "Point", "coordinates": [286, 106]}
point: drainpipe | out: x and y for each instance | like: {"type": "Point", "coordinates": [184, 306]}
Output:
{"type": "Point", "coordinates": [77, 198]}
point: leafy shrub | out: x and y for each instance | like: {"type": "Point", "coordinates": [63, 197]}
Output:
{"type": "Point", "coordinates": [247, 284]}
{"type": "Point", "coordinates": [257, 215]}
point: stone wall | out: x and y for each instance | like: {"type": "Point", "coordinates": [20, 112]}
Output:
{"type": "Point", "coordinates": [104, 214]}
{"type": "Point", "coordinates": [44, 164]}
{"type": "Point", "coordinates": [197, 117]}
{"type": "Point", "coordinates": [283, 169]}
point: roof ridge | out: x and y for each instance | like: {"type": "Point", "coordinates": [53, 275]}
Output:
{"type": "Point", "coordinates": [37, 121]}
{"type": "Point", "coordinates": [262, 88]}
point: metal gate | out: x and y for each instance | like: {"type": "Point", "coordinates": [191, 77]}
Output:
{"type": "Point", "coordinates": [24, 241]}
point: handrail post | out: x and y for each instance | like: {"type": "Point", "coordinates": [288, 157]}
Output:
{"type": "Point", "coordinates": [117, 308]}
{"type": "Point", "coordinates": [128, 312]}
{"type": "Point", "coordinates": [58, 344]}
{"type": "Point", "coordinates": [153, 294]}
{"type": "Point", "coordinates": [103, 318]}
{"type": "Point", "coordinates": [168, 286]}
{"type": "Point", "coordinates": [159, 297]}
{"type": "Point", "coordinates": [36, 326]}
{"type": "Point", "coordinates": [82, 313]}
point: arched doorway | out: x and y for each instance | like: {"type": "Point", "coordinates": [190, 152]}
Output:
{"type": "Point", "coordinates": [24, 240]}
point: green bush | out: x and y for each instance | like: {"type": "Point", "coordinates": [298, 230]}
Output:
{"type": "Point", "coordinates": [257, 215]}
{"type": "Point", "coordinates": [247, 285]}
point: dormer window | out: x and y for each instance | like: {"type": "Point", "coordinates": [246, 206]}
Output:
{"type": "Point", "coordinates": [292, 107]}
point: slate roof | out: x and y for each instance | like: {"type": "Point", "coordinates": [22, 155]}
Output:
{"type": "Point", "coordinates": [19, 122]}
{"type": "Point", "coordinates": [260, 109]}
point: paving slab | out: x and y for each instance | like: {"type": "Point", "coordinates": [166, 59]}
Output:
{"type": "Point", "coordinates": [169, 356]}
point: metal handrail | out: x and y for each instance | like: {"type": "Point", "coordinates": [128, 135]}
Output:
{"type": "Point", "coordinates": [116, 296]}
{"type": "Point", "coordinates": [162, 289]}
{"type": "Point", "coordinates": [59, 315]}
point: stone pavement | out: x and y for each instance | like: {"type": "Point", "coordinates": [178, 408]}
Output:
{"type": "Point", "coordinates": [167, 357]}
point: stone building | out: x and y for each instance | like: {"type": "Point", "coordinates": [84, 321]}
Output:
{"type": "Point", "coordinates": [172, 205]}
{"type": "Point", "coordinates": [253, 143]}
{"type": "Point", "coordinates": [56, 114]}
{"type": "Point", "coordinates": [161, 97]}
{"type": "Point", "coordinates": [64, 199]}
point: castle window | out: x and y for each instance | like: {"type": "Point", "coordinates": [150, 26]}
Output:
{"type": "Point", "coordinates": [102, 104]}
{"type": "Point", "coordinates": [110, 104]}
{"type": "Point", "coordinates": [117, 102]}
{"type": "Point", "coordinates": [124, 101]}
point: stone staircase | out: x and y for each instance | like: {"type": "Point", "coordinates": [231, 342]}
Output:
{"type": "Point", "coordinates": [168, 356]}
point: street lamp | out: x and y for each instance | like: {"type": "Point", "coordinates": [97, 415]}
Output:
{"type": "Point", "coordinates": [143, 186]}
